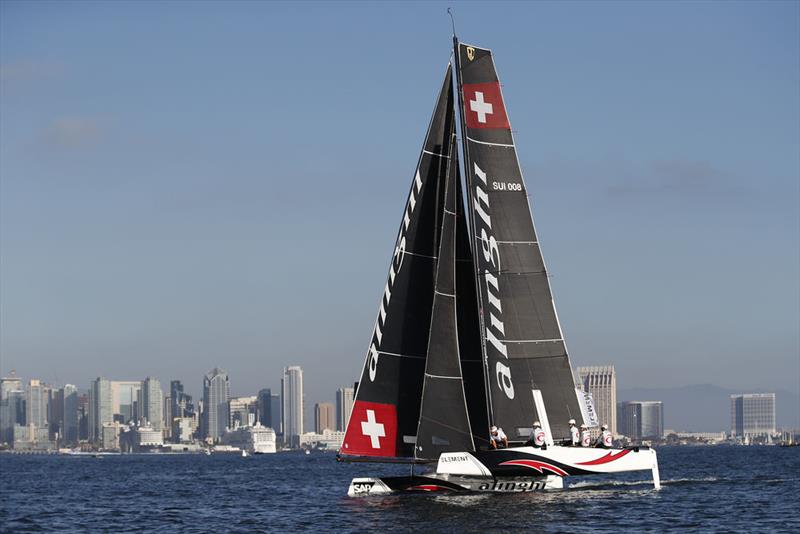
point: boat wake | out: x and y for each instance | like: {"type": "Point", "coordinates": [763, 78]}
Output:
{"type": "Point", "coordinates": [613, 484]}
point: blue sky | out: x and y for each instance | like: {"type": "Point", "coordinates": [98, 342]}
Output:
{"type": "Point", "coordinates": [185, 185]}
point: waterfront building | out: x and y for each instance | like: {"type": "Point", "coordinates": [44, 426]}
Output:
{"type": "Point", "coordinates": [110, 436]}
{"type": "Point", "coordinates": [153, 403]}
{"type": "Point", "coordinates": [324, 417]}
{"type": "Point", "coordinates": [601, 383]}
{"type": "Point", "coordinates": [641, 419]}
{"type": "Point", "coordinates": [327, 439]}
{"type": "Point", "coordinates": [182, 429]}
{"type": "Point", "coordinates": [242, 411]}
{"type": "Point", "coordinates": [30, 437]}
{"type": "Point", "coordinates": [181, 408]}
{"type": "Point", "coordinates": [752, 414]}
{"type": "Point", "coordinates": [216, 393]}
{"type": "Point", "coordinates": [101, 408]}
{"type": "Point", "coordinates": [344, 405]}
{"type": "Point", "coordinates": [255, 439]}
{"type": "Point", "coordinates": [292, 405]}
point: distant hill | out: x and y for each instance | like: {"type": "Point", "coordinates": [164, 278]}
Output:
{"type": "Point", "coordinates": [707, 408]}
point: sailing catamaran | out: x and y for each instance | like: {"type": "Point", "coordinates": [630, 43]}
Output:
{"type": "Point", "coordinates": [467, 334]}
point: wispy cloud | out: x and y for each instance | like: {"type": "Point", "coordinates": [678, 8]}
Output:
{"type": "Point", "coordinates": [30, 70]}
{"type": "Point", "coordinates": [73, 132]}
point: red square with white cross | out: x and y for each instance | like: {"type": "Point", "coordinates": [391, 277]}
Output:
{"type": "Point", "coordinates": [372, 430]}
{"type": "Point", "coordinates": [483, 105]}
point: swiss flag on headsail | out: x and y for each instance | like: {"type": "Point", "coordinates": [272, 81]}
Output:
{"type": "Point", "coordinates": [372, 430]}
{"type": "Point", "coordinates": [484, 106]}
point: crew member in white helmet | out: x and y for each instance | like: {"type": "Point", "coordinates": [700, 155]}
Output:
{"type": "Point", "coordinates": [498, 438]}
{"type": "Point", "coordinates": [586, 437]}
{"type": "Point", "coordinates": [604, 440]}
{"type": "Point", "coordinates": [537, 436]}
{"type": "Point", "coordinates": [574, 435]}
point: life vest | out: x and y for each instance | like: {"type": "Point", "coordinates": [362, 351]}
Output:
{"type": "Point", "coordinates": [538, 437]}
{"type": "Point", "coordinates": [586, 439]}
{"type": "Point", "coordinates": [575, 435]}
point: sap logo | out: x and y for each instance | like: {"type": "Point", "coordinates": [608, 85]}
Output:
{"type": "Point", "coordinates": [454, 459]}
{"type": "Point", "coordinates": [362, 488]}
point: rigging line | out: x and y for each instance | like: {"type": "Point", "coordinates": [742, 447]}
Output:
{"type": "Point", "coordinates": [449, 427]}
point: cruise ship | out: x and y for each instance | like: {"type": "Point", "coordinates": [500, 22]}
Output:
{"type": "Point", "coordinates": [255, 439]}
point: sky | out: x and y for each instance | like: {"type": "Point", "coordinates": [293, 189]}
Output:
{"type": "Point", "coordinates": [189, 185]}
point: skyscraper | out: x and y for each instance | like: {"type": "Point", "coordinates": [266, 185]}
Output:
{"type": "Point", "coordinates": [242, 410]}
{"type": "Point", "coordinates": [36, 405]}
{"type": "Point", "coordinates": [69, 426]}
{"type": "Point", "coordinates": [601, 382]}
{"type": "Point", "coordinates": [100, 407]}
{"type": "Point", "coordinates": [324, 417]}
{"type": "Point", "coordinates": [216, 393]}
{"type": "Point", "coordinates": [181, 408]}
{"type": "Point", "coordinates": [344, 405]}
{"type": "Point", "coordinates": [265, 407]}
{"type": "Point", "coordinates": [292, 403]}
{"type": "Point", "coordinates": [153, 403]}
{"type": "Point", "coordinates": [12, 406]}
{"type": "Point", "coordinates": [641, 419]}
{"type": "Point", "coordinates": [124, 399]}
{"type": "Point", "coordinates": [753, 414]}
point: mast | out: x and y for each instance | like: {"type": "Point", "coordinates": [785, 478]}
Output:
{"type": "Point", "coordinates": [471, 220]}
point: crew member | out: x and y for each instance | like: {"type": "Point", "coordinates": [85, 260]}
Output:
{"type": "Point", "coordinates": [498, 438]}
{"type": "Point", "coordinates": [604, 440]}
{"type": "Point", "coordinates": [586, 437]}
{"type": "Point", "coordinates": [537, 436]}
{"type": "Point", "coordinates": [574, 434]}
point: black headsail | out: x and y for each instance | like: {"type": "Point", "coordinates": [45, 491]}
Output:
{"type": "Point", "coordinates": [383, 423]}
{"type": "Point", "coordinates": [523, 346]}
{"type": "Point", "coordinates": [444, 423]}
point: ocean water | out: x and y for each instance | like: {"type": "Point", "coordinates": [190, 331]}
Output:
{"type": "Point", "coordinates": [709, 489]}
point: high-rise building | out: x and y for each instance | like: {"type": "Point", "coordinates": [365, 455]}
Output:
{"type": "Point", "coordinates": [12, 406]}
{"type": "Point", "coordinates": [36, 405]}
{"type": "Point", "coordinates": [153, 403]}
{"type": "Point", "coordinates": [124, 398]}
{"type": "Point", "coordinates": [101, 407]}
{"type": "Point", "coordinates": [181, 408]}
{"type": "Point", "coordinates": [753, 414]}
{"type": "Point", "coordinates": [601, 382]}
{"type": "Point", "coordinates": [69, 424]}
{"type": "Point", "coordinates": [324, 417]}
{"type": "Point", "coordinates": [216, 393]}
{"type": "Point", "coordinates": [292, 405]}
{"type": "Point", "coordinates": [265, 408]}
{"type": "Point", "coordinates": [242, 411]}
{"type": "Point", "coordinates": [641, 419]}
{"type": "Point", "coordinates": [344, 405]}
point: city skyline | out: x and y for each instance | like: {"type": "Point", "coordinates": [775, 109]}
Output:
{"type": "Point", "coordinates": [156, 218]}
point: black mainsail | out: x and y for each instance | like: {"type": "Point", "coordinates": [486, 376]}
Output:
{"type": "Point", "coordinates": [522, 343]}
{"type": "Point", "coordinates": [386, 409]}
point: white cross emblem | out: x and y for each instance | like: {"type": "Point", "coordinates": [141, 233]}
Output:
{"type": "Point", "coordinates": [480, 107]}
{"type": "Point", "coordinates": [373, 429]}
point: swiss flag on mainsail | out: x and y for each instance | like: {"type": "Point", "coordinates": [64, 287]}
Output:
{"type": "Point", "coordinates": [484, 106]}
{"type": "Point", "coordinates": [372, 430]}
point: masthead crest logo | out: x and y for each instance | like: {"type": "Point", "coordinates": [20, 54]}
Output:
{"type": "Point", "coordinates": [470, 53]}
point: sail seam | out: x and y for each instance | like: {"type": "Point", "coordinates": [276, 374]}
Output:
{"type": "Point", "coordinates": [444, 294]}
{"type": "Point", "coordinates": [517, 242]}
{"type": "Point", "coordinates": [436, 154]}
{"type": "Point", "coordinates": [490, 144]}
{"type": "Point", "coordinates": [450, 212]}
